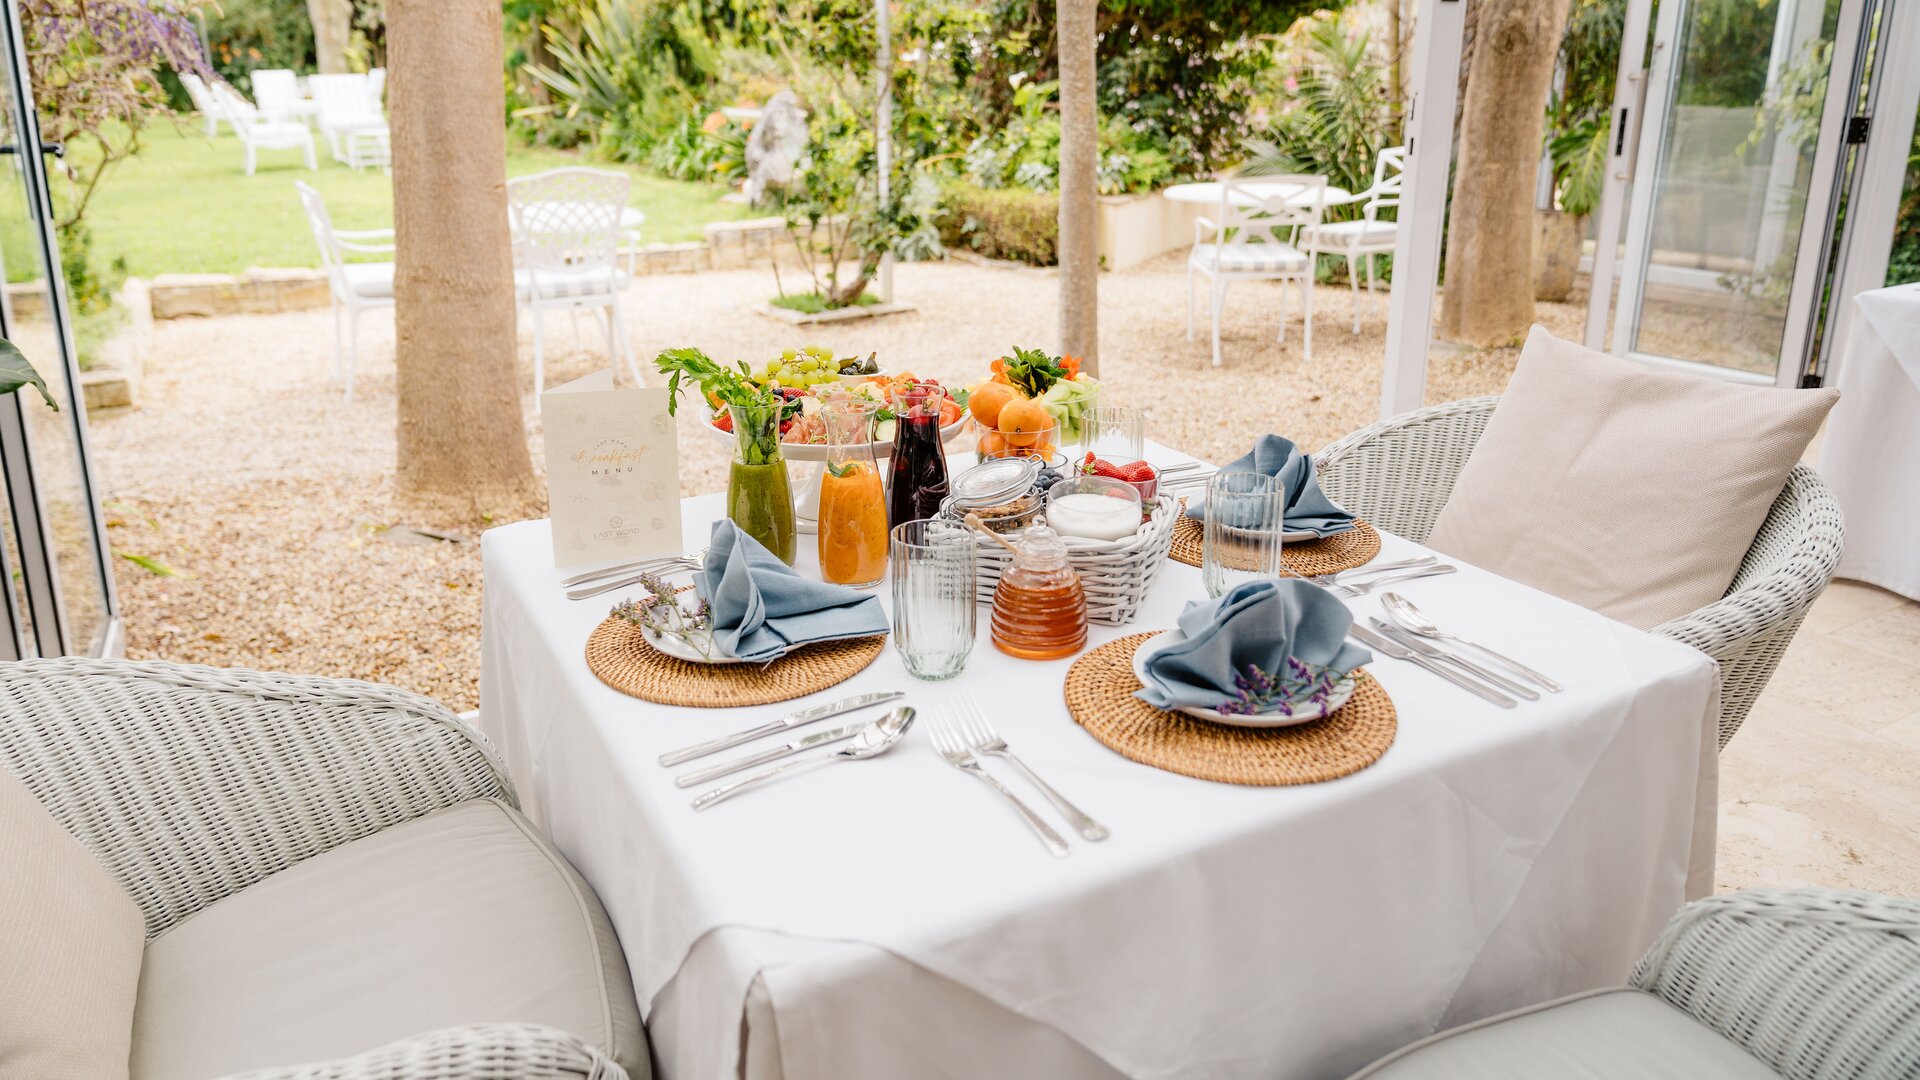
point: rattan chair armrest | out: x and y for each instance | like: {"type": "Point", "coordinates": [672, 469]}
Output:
{"type": "Point", "coordinates": [190, 783]}
{"type": "Point", "coordinates": [1399, 472]}
{"type": "Point", "coordinates": [475, 1052]}
{"type": "Point", "coordinates": [1816, 983]}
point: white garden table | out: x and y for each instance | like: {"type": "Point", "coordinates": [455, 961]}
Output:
{"type": "Point", "coordinates": [890, 919]}
{"type": "Point", "coordinates": [1253, 192]}
{"type": "Point", "coordinates": [1871, 453]}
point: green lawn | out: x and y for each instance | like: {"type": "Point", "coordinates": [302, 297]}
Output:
{"type": "Point", "coordinates": [184, 205]}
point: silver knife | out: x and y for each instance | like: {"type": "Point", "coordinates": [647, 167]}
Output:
{"type": "Point", "coordinates": [1484, 674]}
{"type": "Point", "coordinates": [1380, 644]}
{"type": "Point", "coordinates": [791, 720]}
{"type": "Point", "coordinates": [775, 754]}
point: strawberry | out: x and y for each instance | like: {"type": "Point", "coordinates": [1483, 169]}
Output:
{"type": "Point", "coordinates": [723, 421]}
{"type": "Point", "coordinates": [1137, 473]}
{"type": "Point", "coordinates": [1101, 467]}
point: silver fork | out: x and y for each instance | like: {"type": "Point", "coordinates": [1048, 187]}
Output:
{"type": "Point", "coordinates": [948, 742]}
{"type": "Point", "coordinates": [628, 569]}
{"type": "Point", "coordinates": [981, 736]}
{"type": "Point", "coordinates": [1365, 587]}
{"type": "Point", "coordinates": [684, 562]}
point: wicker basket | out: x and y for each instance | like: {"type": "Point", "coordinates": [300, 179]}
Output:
{"type": "Point", "coordinates": [1115, 573]}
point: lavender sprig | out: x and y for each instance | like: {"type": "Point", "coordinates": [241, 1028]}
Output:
{"type": "Point", "coordinates": [1263, 691]}
{"type": "Point", "coordinates": [659, 612]}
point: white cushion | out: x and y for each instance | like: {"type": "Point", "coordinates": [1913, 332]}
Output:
{"type": "Point", "coordinates": [463, 916]}
{"type": "Point", "coordinates": [1275, 258]}
{"type": "Point", "coordinates": [1612, 1035]}
{"type": "Point", "coordinates": [70, 942]}
{"type": "Point", "coordinates": [554, 284]}
{"type": "Point", "coordinates": [1630, 491]}
{"type": "Point", "coordinates": [1343, 234]}
{"type": "Point", "coordinates": [374, 279]}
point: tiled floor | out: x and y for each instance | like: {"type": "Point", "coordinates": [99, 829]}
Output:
{"type": "Point", "coordinates": [1821, 786]}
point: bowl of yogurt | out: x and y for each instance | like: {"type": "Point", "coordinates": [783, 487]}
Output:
{"type": "Point", "coordinates": [1093, 508]}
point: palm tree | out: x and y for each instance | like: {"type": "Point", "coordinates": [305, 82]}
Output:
{"type": "Point", "coordinates": [462, 440]}
{"type": "Point", "coordinates": [1079, 184]}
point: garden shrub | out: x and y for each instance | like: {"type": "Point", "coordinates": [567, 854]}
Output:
{"type": "Point", "coordinates": [1003, 223]}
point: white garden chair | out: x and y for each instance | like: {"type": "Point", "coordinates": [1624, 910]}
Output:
{"type": "Point", "coordinates": [276, 93]}
{"type": "Point", "coordinates": [213, 108]}
{"type": "Point", "coordinates": [259, 132]}
{"type": "Point", "coordinates": [353, 287]}
{"type": "Point", "coordinates": [1254, 240]}
{"type": "Point", "coordinates": [566, 237]}
{"type": "Point", "coordinates": [351, 119]}
{"type": "Point", "coordinates": [1367, 236]}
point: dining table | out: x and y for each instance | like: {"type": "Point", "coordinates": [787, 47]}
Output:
{"type": "Point", "coordinates": [889, 918]}
{"type": "Point", "coordinates": [1252, 192]}
{"type": "Point", "coordinates": [1870, 454]}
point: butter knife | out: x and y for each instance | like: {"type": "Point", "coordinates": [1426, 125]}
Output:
{"type": "Point", "coordinates": [1381, 645]}
{"type": "Point", "coordinates": [775, 754]}
{"type": "Point", "coordinates": [1478, 671]}
{"type": "Point", "coordinates": [791, 720]}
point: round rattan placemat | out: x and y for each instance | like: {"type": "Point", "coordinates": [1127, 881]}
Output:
{"type": "Point", "coordinates": [621, 657]}
{"type": "Point", "coordinates": [1100, 688]}
{"type": "Point", "coordinates": [1342, 551]}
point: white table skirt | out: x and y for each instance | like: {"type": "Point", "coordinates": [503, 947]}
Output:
{"type": "Point", "coordinates": [889, 919]}
{"type": "Point", "coordinates": [1871, 453]}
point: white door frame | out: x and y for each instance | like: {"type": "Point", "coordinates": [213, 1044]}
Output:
{"type": "Point", "coordinates": [1629, 107]}
{"type": "Point", "coordinates": [1811, 255]}
{"type": "Point", "coordinates": [1873, 208]}
{"type": "Point", "coordinates": [1428, 134]}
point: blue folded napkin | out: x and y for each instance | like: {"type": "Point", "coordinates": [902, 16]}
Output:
{"type": "Point", "coordinates": [761, 607]}
{"type": "Point", "coordinates": [1308, 508]}
{"type": "Point", "coordinates": [1288, 629]}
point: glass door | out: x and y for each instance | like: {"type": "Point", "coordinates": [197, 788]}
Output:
{"type": "Point", "coordinates": [58, 597]}
{"type": "Point", "coordinates": [1727, 229]}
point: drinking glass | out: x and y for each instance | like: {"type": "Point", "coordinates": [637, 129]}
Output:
{"type": "Point", "coordinates": [1241, 543]}
{"type": "Point", "coordinates": [1117, 433]}
{"type": "Point", "coordinates": [934, 602]}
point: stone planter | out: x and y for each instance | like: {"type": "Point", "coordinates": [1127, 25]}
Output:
{"type": "Point", "coordinates": [1556, 253]}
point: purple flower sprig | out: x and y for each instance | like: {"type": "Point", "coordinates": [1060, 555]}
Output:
{"type": "Point", "coordinates": [658, 611]}
{"type": "Point", "coordinates": [1261, 691]}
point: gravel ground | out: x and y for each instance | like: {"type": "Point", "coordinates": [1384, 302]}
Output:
{"type": "Point", "coordinates": [270, 500]}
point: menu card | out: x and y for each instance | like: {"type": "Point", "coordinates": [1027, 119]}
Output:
{"type": "Point", "coordinates": [613, 471]}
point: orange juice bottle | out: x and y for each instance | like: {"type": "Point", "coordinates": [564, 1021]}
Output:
{"type": "Point", "coordinates": [853, 504]}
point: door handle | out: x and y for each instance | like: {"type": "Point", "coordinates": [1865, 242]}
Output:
{"type": "Point", "coordinates": [58, 150]}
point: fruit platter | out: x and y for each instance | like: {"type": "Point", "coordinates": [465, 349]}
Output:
{"type": "Point", "coordinates": [806, 376]}
{"type": "Point", "coordinates": [1032, 405]}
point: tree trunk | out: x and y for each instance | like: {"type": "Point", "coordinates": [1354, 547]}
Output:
{"type": "Point", "coordinates": [462, 440]}
{"type": "Point", "coordinates": [1079, 185]}
{"type": "Point", "coordinates": [332, 26]}
{"type": "Point", "coordinates": [1488, 296]}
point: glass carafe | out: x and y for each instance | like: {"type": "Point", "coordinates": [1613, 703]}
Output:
{"type": "Point", "coordinates": [1039, 607]}
{"type": "Point", "coordinates": [919, 460]}
{"type": "Point", "coordinates": [759, 496]}
{"type": "Point", "coordinates": [853, 506]}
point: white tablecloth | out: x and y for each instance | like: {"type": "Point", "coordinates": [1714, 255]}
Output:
{"type": "Point", "coordinates": [1208, 191]}
{"type": "Point", "coordinates": [1871, 453]}
{"type": "Point", "coordinates": [890, 919]}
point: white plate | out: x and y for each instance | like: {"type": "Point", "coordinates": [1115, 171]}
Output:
{"type": "Point", "coordinates": [681, 650]}
{"type": "Point", "coordinates": [1342, 690]}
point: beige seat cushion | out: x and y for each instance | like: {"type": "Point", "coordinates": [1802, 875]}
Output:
{"type": "Point", "coordinates": [1626, 490]}
{"type": "Point", "coordinates": [70, 943]}
{"type": "Point", "coordinates": [463, 916]}
{"type": "Point", "coordinates": [1612, 1035]}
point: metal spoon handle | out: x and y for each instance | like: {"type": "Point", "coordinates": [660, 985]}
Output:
{"type": "Point", "coordinates": [1518, 668]}
{"type": "Point", "coordinates": [728, 791]}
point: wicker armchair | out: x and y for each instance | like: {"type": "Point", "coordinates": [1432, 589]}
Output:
{"type": "Point", "coordinates": [1398, 474]}
{"type": "Point", "coordinates": [1806, 984]}
{"type": "Point", "coordinates": [191, 783]}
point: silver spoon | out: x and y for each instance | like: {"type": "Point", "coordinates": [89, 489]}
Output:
{"type": "Point", "coordinates": [1411, 619]}
{"type": "Point", "coordinates": [875, 739]}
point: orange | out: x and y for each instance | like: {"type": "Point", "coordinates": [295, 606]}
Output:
{"type": "Point", "coordinates": [987, 400]}
{"type": "Point", "coordinates": [1023, 421]}
{"type": "Point", "coordinates": [991, 442]}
